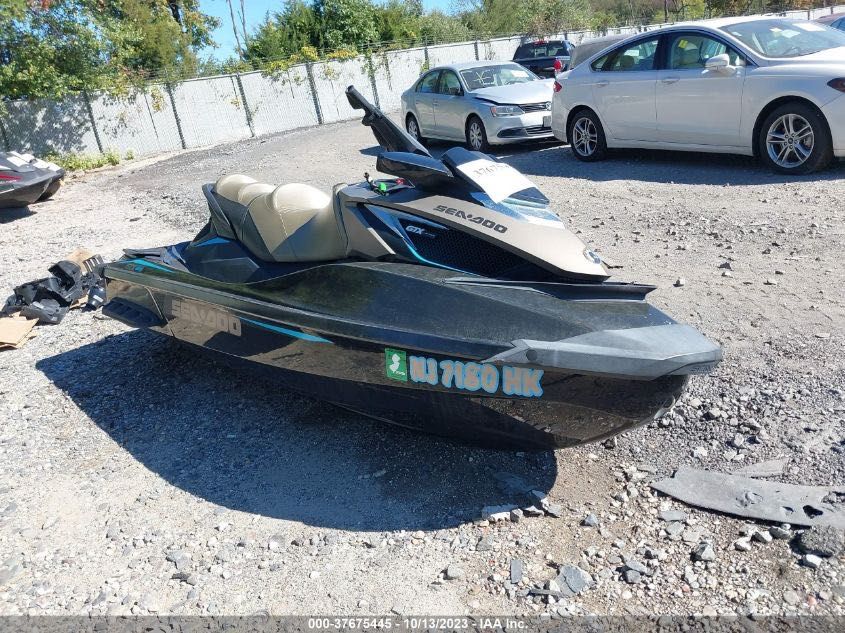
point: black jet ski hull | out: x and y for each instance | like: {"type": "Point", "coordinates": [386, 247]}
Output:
{"type": "Point", "coordinates": [25, 179]}
{"type": "Point", "coordinates": [406, 378]}
{"type": "Point", "coordinates": [25, 194]}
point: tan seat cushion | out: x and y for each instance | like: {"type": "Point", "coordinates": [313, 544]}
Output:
{"type": "Point", "coordinates": [288, 223]}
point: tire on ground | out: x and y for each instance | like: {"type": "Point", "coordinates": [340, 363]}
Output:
{"type": "Point", "coordinates": [594, 147]}
{"type": "Point", "coordinates": [822, 148]}
{"type": "Point", "coordinates": [483, 146]}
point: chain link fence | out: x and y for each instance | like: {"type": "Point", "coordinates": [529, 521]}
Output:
{"type": "Point", "coordinates": [202, 112]}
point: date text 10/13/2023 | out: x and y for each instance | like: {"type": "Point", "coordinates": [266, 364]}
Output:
{"type": "Point", "coordinates": [465, 376]}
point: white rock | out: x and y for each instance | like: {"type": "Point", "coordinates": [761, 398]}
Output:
{"type": "Point", "coordinates": [743, 544]}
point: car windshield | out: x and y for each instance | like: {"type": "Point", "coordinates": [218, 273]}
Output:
{"type": "Point", "coordinates": [496, 75]}
{"type": "Point", "coordinates": [786, 38]}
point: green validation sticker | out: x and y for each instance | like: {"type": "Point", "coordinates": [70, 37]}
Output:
{"type": "Point", "coordinates": [396, 364]}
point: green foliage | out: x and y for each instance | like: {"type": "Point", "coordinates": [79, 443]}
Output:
{"type": "Point", "coordinates": [304, 55]}
{"type": "Point", "coordinates": [496, 17]}
{"type": "Point", "coordinates": [346, 23]}
{"type": "Point", "coordinates": [348, 27]}
{"type": "Point", "coordinates": [342, 54]}
{"type": "Point", "coordinates": [96, 44]}
{"type": "Point", "coordinates": [284, 33]}
{"type": "Point", "coordinates": [84, 162]}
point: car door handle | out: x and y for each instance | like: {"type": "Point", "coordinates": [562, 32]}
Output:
{"type": "Point", "coordinates": [434, 102]}
{"type": "Point", "coordinates": [670, 80]}
{"type": "Point", "coordinates": [602, 83]}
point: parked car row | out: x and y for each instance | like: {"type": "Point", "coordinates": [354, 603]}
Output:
{"type": "Point", "coordinates": [768, 87]}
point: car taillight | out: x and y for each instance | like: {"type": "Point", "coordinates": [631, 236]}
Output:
{"type": "Point", "coordinates": [558, 65]}
{"type": "Point", "coordinates": [558, 87]}
{"type": "Point", "coordinates": [837, 84]}
{"type": "Point", "coordinates": [8, 176]}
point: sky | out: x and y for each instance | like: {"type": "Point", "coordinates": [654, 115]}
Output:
{"type": "Point", "coordinates": [255, 12]}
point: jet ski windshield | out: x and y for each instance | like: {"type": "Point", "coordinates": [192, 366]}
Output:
{"type": "Point", "coordinates": [519, 209]}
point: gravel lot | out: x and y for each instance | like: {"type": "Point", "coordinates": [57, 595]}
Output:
{"type": "Point", "coordinates": [137, 478]}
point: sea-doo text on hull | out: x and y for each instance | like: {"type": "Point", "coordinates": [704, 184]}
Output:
{"type": "Point", "coordinates": [448, 299]}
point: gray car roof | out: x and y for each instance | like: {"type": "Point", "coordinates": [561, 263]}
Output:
{"type": "Point", "coordinates": [475, 64]}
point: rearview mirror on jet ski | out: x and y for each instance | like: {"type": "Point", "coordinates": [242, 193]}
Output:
{"type": "Point", "coordinates": [451, 299]}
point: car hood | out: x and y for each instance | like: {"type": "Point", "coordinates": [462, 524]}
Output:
{"type": "Point", "coordinates": [531, 92]}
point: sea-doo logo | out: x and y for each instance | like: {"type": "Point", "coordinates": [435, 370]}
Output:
{"type": "Point", "coordinates": [214, 319]}
{"type": "Point", "coordinates": [477, 219]}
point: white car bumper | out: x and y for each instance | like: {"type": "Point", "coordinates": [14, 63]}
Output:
{"type": "Point", "coordinates": [834, 112]}
{"type": "Point", "coordinates": [559, 115]}
{"type": "Point", "coordinates": [514, 129]}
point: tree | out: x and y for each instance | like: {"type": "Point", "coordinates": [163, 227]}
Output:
{"type": "Point", "coordinates": [497, 17]}
{"type": "Point", "coordinates": [345, 23]}
{"type": "Point", "coordinates": [284, 33]}
{"type": "Point", "coordinates": [58, 46]}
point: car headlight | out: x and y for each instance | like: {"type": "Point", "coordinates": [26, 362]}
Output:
{"type": "Point", "coordinates": [506, 110]}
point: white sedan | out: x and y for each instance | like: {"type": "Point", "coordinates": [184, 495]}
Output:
{"type": "Point", "coordinates": [767, 87]}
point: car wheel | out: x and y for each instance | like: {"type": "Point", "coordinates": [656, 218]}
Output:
{"type": "Point", "coordinates": [476, 135]}
{"type": "Point", "coordinates": [794, 139]}
{"type": "Point", "coordinates": [413, 128]}
{"type": "Point", "coordinates": [586, 136]}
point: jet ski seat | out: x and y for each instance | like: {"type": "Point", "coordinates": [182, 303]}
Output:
{"type": "Point", "coordinates": [289, 223]}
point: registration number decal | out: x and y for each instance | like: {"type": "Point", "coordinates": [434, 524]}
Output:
{"type": "Point", "coordinates": [524, 382]}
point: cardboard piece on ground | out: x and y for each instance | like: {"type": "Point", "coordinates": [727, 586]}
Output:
{"type": "Point", "coordinates": [78, 256]}
{"type": "Point", "coordinates": [15, 331]}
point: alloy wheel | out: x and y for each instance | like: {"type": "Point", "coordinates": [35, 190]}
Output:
{"type": "Point", "coordinates": [413, 130]}
{"type": "Point", "coordinates": [790, 141]}
{"type": "Point", "coordinates": [476, 136]}
{"type": "Point", "coordinates": [585, 137]}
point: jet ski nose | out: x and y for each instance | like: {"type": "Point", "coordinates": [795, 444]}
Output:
{"type": "Point", "coordinates": [642, 353]}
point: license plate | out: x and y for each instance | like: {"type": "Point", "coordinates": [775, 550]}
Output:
{"type": "Point", "coordinates": [547, 120]}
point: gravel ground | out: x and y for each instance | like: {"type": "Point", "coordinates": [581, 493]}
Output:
{"type": "Point", "coordinates": [137, 478]}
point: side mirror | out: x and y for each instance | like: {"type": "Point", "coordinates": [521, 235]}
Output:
{"type": "Point", "coordinates": [455, 91]}
{"type": "Point", "coordinates": [718, 62]}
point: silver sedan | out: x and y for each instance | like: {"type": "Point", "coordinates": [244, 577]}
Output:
{"type": "Point", "coordinates": [479, 103]}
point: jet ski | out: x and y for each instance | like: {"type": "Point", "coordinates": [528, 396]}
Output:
{"type": "Point", "coordinates": [448, 298]}
{"type": "Point", "coordinates": [25, 179]}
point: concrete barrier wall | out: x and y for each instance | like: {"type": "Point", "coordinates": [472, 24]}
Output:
{"type": "Point", "coordinates": [46, 126]}
{"type": "Point", "coordinates": [207, 111]}
{"type": "Point", "coordinates": [142, 123]}
{"type": "Point", "coordinates": [451, 54]}
{"type": "Point", "coordinates": [395, 72]}
{"type": "Point", "coordinates": [211, 111]}
{"type": "Point", "coordinates": [330, 82]}
{"type": "Point", "coordinates": [501, 48]}
{"type": "Point", "coordinates": [279, 102]}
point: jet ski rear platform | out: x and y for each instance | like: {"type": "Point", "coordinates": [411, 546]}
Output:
{"type": "Point", "coordinates": [453, 302]}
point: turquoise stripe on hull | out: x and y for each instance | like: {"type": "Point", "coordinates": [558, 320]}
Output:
{"type": "Point", "coordinates": [294, 333]}
{"type": "Point", "coordinates": [144, 263]}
